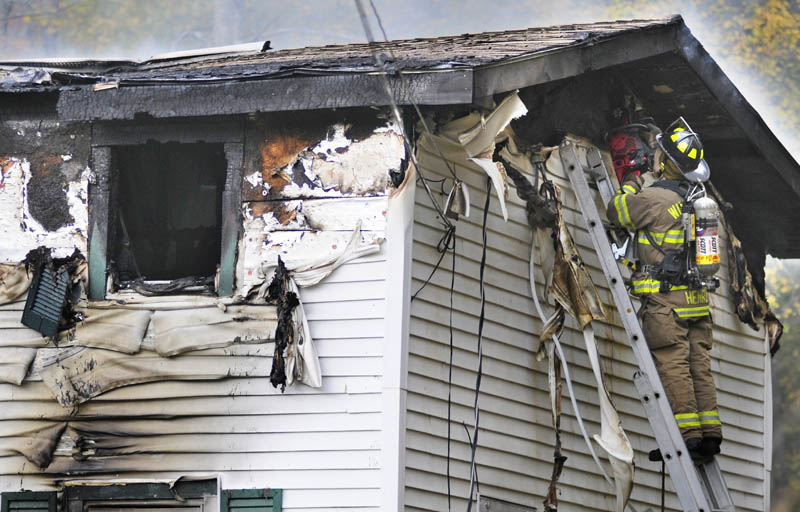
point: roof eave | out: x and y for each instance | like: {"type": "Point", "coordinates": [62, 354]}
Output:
{"type": "Point", "coordinates": [428, 87]}
{"type": "Point", "coordinates": [740, 110]}
{"type": "Point", "coordinates": [450, 86]}
{"type": "Point", "coordinates": [542, 67]}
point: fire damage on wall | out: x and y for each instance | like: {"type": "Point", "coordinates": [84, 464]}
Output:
{"type": "Point", "coordinates": [151, 236]}
{"type": "Point", "coordinates": [313, 197]}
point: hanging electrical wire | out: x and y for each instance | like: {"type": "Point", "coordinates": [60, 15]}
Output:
{"type": "Point", "coordinates": [396, 111]}
{"type": "Point", "coordinates": [450, 369]}
{"type": "Point", "coordinates": [447, 242]}
{"type": "Point", "coordinates": [481, 318]}
{"type": "Point", "coordinates": [413, 103]}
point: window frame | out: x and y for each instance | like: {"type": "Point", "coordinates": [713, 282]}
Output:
{"type": "Point", "coordinates": [107, 135]}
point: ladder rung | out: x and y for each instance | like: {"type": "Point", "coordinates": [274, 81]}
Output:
{"type": "Point", "coordinates": [701, 488]}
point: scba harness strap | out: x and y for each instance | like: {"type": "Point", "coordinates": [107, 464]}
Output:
{"type": "Point", "coordinates": [672, 273]}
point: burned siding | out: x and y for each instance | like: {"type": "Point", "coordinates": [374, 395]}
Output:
{"type": "Point", "coordinates": [156, 387]}
{"type": "Point", "coordinates": [44, 186]}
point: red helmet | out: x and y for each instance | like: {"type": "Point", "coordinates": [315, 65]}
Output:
{"type": "Point", "coordinates": [629, 152]}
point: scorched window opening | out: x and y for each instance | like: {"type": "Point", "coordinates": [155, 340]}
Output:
{"type": "Point", "coordinates": [167, 210]}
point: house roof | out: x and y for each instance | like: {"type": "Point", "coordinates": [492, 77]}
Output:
{"type": "Point", "coordinates": [661, 60]}
{"type": "Point", "coordinates": [247, 61]}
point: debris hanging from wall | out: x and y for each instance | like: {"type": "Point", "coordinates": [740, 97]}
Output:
{"type": "Point", "coordinates": [470, 141]}
{"type": "Point", "coordinates": [751, 307]}
{"type": "Point", "coordinates": [279, 290]}
{"type": "Point", "coordinates": [574, 292]}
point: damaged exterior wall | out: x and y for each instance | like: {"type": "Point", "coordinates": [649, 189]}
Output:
{"type": "Point", "coordinates": [300, 200]}
{"type": "Point", "coordinates": [515, 455]}
{"type": "Point", "coordinates": [43, 187]}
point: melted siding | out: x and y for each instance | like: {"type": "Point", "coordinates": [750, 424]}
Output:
{"type": "Point", "coordinates": [516, 439]}
{"type": "Point", "coordinates": [321, 446]}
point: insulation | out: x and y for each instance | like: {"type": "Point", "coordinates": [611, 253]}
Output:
{"type": "Point", "coordinates": [477, 136]}
{"type": "Point", "coordinates": [572, 286]}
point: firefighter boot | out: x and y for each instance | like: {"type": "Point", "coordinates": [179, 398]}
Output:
{"type": "Point", "coordinates": [692, 444]}
{"type": "Point", "coordinates": [710, 446]}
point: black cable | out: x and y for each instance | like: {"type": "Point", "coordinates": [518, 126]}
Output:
{"type": "Point", "coordinates": [481, 319]}
{"type": "Point", "coordinates": [450, 371]}
{"type": "Point", "coordinates": [413, 103]}
{"type": "Point", "coordinates": [448, 241]}
{"type": "Point", "coordinates": [469, 438]}
{"type": "Point", "coordinates": [396, 111]}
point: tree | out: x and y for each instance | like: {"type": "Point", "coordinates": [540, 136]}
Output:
{"type": "Point", "coordinates": [784, 298]}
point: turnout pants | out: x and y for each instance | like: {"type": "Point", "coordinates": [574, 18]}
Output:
{"type": "Point", "coordinates": [680, 349]}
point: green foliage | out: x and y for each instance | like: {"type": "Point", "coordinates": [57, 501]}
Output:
{"type": "Point", "coordinates": [784, 298]}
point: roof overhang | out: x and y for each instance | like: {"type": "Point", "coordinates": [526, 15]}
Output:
{"type": "Point", "coordinates": [669, 41]}
{"type": "Point", "coordinates": [445, 86]}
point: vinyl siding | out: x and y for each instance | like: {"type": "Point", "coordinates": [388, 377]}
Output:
{"type": "Point", "coordinates": [516, 439]}
{"type": "Point", "coordinates": [321, 446]}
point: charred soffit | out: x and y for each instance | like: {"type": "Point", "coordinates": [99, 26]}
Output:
{"type": "Point", "coordinates": [740, 170]}
{"type": "Point", "coordinates": [581, 105]}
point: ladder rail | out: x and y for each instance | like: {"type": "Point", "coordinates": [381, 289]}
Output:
{"type": "Point", "coordinates": [691, 492]}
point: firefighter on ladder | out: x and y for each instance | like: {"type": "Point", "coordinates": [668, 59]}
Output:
{"type": "Point", "coordinates": [675, 312]}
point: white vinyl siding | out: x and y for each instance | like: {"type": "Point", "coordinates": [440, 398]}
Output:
{"type": "Point", "coordinates": [516, 439]}
{"type": "Point", "coordinates": [321, 446]}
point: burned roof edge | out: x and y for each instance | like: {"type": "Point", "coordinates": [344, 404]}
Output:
{"type": "Point", "coordinates": [452, 85]}
{"type": "Point", "coordinates": [589, 55]}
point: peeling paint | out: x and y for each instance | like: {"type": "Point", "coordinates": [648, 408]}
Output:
{"type": "Point", "coordinates": [276, 213]}
{"type": "Point", "coordinates": [255, 179]}
{"type": "Point", "coordinates": [336, 166]}
{"type": "Point", "coordinates": [5, 167]}
{"type": "Point", "coordinates": [21, 232]}
{"type": "Point", "coordinates": [291, 246]}
{"type": "Point", "coordinates": [364, 168]}
{"type": "Point", "coordinates": [336, 143]}
{"type": "Point", "coordinates": [340, 214]}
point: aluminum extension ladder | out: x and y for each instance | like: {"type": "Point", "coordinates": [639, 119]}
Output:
{"type": "Point", "coordinates": [701, 487]}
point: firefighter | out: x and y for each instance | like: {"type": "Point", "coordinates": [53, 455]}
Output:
{"type": "Point", "coordinates": [675, 312]}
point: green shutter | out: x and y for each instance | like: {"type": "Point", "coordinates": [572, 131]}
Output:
{"type": "Point", "coordinates": [251, 500]}
{"type": "Point", "coordinates": [28, 501]}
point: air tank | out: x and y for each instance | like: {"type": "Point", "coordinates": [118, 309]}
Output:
{"type": "Point", "coordinates": [706, 236]}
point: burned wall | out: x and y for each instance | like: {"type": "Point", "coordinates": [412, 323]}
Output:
{"type": "Point", "coordinates": [111, 398]}
{"type": "Point", "coordinates": [309, 180]}
{"type": "Point", "coordinates": [44, 175]}
{"type": "Point", "coordinates": [666, 90]}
